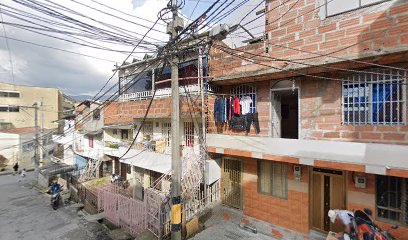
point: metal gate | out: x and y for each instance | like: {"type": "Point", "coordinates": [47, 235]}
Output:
{"type": "Point", "coordinates": [232, 182]}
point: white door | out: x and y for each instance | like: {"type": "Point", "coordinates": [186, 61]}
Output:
{"type": "Point", "coordinates": [276, 114]}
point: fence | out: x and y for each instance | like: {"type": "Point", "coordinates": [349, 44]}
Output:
{"type": "Point", "coordinates": [202, 200]}
{"type": "Point", "coordinates": [123, 211]}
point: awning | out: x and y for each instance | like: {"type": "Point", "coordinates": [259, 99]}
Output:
{"type": "Point", "coordinates": [157, 162]}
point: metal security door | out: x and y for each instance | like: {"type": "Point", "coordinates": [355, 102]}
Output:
{"type": "Point", "coordinates": [232, 182]}
{"type": "Point", "coordinates": [276, 115]}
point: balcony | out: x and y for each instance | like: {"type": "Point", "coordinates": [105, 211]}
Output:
{"type": "Point", "coordinates": [166, 92]}
{"type": "Point", "coordinates": [383, 159]}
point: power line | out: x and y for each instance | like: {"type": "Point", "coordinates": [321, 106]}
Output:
{"type": "Point", "coordinates": [8, 46]}
{"type": "Point", "coordinates": [54, 48]}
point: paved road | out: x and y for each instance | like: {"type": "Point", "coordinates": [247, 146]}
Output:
{"type": "Point", "coordinates": [26, 214]}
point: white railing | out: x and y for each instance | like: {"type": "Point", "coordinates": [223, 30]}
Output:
{"type": "Point", "coordinates": [166, 92]}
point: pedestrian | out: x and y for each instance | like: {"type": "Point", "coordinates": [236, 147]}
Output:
{"type": "Point", "coordinates": [22, 175]}
{"type": "Point", "coordinates": [15, 167]}
{"type": "Point", "coordinates": [346, 219]}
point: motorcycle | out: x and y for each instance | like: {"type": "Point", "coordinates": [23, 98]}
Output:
{"type": "Point", "coordinates": [56, 198]}
{"type": "Point", "coordinates": [364, 228]}
{"type": "Point", "coordinates": [367, 229]}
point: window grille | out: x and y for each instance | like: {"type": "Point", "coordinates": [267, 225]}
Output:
{"type": "Point", "coordinates": [246, 90]}
{"type": "Point", "coordinates": [391, 199]}
{"type": "Point", "coordinates": [166, 131]}
{"type": "Point", "coordinates": [273, 178]}
{"type": "Point", "coordinates": [189, 134]}
{"type": "Point", "coordinates": [375, 98]}
{"type": "Point", "coordinates": [148, 131]}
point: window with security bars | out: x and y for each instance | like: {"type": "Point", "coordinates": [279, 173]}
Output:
{"type": "Point", "coordinates": [392, 199]}
{"type": "Point", "coordinates": [376, 97]}
{"type": "Point", "coordinates": [273, 178]}
{"type": "Point", "coordinates": [166, 131]}
{"type": "Point", "coordinates": [246, 90]}
{"type": "Point", "coordinates": [189, 134]}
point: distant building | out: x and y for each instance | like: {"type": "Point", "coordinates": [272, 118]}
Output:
{"type": "Point", "coordinates": [18, 145]}
{"type": "Point", "coordinates": [15, 98]}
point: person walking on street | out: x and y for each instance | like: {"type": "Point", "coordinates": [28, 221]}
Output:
{"type": "Point", "coordinates": [15, 167]}
{"type": "Point", "coordinates": [22, 175]}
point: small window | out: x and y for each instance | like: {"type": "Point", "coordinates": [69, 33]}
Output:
{"type": "Point", "coordinates": [96, 114]}
{"type": "Point", "coordinates": [391, 194]}
{"type": "Point", "coordinates": [124, 133]}
{"type": "Point", "coordinates": [128, 169]}
{"type": "Point", "coordinates": [3, 94]}
{"type": "Point", "coordinates": [115, 132]}
{"type": "Point", "coordinates": [374, 98]}
{"type": "Point", "coordinates": [14, 94]}
{"type": "Point", "coordinates": [3, 108]}
{"type": "Point", "coordinates": [243, 91]}
{"type": "Point", "coordinates": [14, 109]}
{"type": "Point", "coordinates": [189, 134]}
{"type": "Point", "coordinates": [334, 7]}
{"type": "Point", "coordinates": [273, 178]}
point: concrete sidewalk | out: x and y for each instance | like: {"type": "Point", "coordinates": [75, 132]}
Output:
{"type": "Point", "coordinates": [224, 223]}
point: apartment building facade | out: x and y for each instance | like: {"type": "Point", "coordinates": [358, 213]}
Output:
{"type": "Point", "coordinates": [325, 114]}
{"type": "Point", "coordinates": [18, 145]}
{"type": "Point", "coordinates": [148, 161]}
{"type": "Point", "coordinates": [16, 110]}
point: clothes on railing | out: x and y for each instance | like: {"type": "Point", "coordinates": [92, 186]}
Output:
{"type": "Point", "coordinates": [236, 113]}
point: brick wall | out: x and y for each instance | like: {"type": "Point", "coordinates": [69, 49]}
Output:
{"type": "Point", "coordinates": [370, 31]}
{"type": "Point", "coordinates": [291, 213]}
{"type": "Point", "coordinates": [125, 112]}
{"type": "Point", "coordinates": [321, 117]}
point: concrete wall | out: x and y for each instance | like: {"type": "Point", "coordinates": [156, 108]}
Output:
{"type": "Point", "coordinates": [51, 98]}
{"type": "Point", "coordinates": [9, 145]}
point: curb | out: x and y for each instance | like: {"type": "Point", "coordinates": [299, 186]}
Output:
{"type": "Point", "coordinates": [11, 172]}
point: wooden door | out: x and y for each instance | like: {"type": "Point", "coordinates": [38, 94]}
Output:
{"type": "Point", "coordinates": [232, 182]}
{"type": "Point", "coordinates": [327, 192]}
{"type": "Point", "coordinates": [123, 170]}
{"type": "Point", "coordinates": [276, 115]}
{"type": "Point", "coordinates": [117, 163]}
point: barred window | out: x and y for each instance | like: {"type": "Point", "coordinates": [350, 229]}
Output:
{"type": "Point", "coordinates": [378, 97]}
{"type": "Point", "coordinates": [392, 199]}
{"type": "Point", "coordinates": [273, 178]}
{"type": "Point", "coordinates": [246, 90]}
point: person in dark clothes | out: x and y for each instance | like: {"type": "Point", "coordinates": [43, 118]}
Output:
{"type": "Point", "coordinates": [15, 167]}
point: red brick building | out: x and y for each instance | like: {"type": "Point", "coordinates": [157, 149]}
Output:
{"type": "Point", "coordinates": [329, 86]}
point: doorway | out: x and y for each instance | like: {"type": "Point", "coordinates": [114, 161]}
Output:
{"type": "Point", "coordinates": [232, 182]}
{"type": "Point", "coordinates": [285, 113]}
{"type": "Point", "coordinates": [328, 191]}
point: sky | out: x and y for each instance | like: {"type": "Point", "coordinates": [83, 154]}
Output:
{"type": "Point", "coordinates": [76, 74]}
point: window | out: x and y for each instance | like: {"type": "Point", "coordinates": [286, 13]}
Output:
{"type": "Point", "coordinates": [90, 141]}
{"type": "Point", "coordinates": [273, 178]}
{"type": "Point", "coordinates": [9, 94]}
{"type": "Point", "coordinates": [96, 114]}
{"type": "Point", "coordinates": [124, 133]}
{"type": "Point", "coordinates": [334, 7]}
{"type": "Point", "coordinates": [115, 132]}
{"type": "Point", "coordinates": [9, 108]}
{"type": "Point", "coordinates": [147, 131]}
{"type": "Point", "coordinates": [246, 90]}
{"type": "Point", "coordinates": [166, 131]}
{"type": "Point", "coordinates": [14, 109]}
{"type": "Point", "coordinates": [189, 134]}
{"type": "Point", "coordinates": [391, 196]}
{"type": "Point", "coordinates": [375, 98]}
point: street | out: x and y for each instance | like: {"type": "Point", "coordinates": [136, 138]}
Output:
{"type": "Point", "coordinates": [26, 214]}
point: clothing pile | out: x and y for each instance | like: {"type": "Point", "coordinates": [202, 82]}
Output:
{"type": "Point", "coordinates": [236, 113]}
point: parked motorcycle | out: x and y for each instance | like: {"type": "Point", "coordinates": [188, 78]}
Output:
{"type": "Point", "coordinates": [364, 228]}
{"type": "Point", "coordinates": [56, 197]}
{"type": "Point", "coordinates": [367, 229]}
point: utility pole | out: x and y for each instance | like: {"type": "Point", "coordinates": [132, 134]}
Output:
{"type": "Point", "coordinates": [37, 140]}
{"type": "Point", "coordinates": [41, 151]}
{"type": "Point", "coordinates": [172, 29]}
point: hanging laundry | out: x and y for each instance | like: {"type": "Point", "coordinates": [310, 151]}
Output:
{"type": "Point", "coordinates": [246, 102]}
{"type": "Point", "coordinates": [237, 106]}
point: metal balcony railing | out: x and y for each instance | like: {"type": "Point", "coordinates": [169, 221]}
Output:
{"type": "Point", "coordinates": [166, 92]}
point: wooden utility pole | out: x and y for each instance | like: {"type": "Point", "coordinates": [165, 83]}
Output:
{"type": "Point", "coordinates": [172, 28]}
